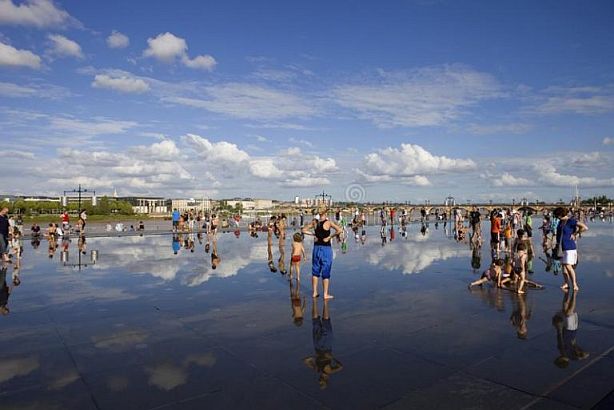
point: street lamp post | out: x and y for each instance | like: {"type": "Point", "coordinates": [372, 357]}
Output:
{"type": "Point", "coordinates": [80, 190]}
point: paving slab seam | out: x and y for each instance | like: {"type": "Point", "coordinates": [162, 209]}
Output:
{"type": "Point", "coordinates": [536, 396]}
{"type": "Point", "coordinates": [598, 324]}
{"type": "Point", "coordinates": [74, 363]}
{"type": "Point", "coordinates": [571, 376]}
{"type": "Point", "coordinates": [602, 400]}
{"type": "Point", "coordinates": [267, 374]}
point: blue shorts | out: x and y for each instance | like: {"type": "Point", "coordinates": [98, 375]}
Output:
{"type": "Point", "coordinates": [322, 261]}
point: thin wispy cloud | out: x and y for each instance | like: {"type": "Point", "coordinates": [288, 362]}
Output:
{"type": "Point", "coordinates": [248, 101]}
{"type": "Point", "coordinates": [430, 96]}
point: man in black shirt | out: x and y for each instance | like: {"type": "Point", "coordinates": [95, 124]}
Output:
{"type": "Point", "coordinates": [474, 218]}
{"type": "Point", "coordinates": [4, 234]}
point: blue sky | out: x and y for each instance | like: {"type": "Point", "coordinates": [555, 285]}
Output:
{"type": "Point", "coordinates": [410, 100]}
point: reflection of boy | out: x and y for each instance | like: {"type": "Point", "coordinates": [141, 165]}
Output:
{"type": "Point", "coordinates": [298, 304]}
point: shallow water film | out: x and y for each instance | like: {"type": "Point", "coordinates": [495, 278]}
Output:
{"type": "Point", "coordinates": [156, 321]}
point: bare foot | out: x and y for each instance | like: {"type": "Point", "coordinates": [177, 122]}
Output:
{"type": "Point", "coordinates": [565, 286]}
{"type": "Point", "coordinates": [315, 295]}
{"type": "Point", "coordinates": [521, 292]}
{"type": "Point", "coordinates": [576, 288]}
{"type": "Point", "coordinates": [328, 297]}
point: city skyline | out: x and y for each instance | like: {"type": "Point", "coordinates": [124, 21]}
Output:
{"type": "Point", "coordinates": [404, 101]}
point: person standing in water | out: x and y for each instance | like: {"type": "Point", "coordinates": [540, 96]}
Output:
{"type": "Point", "coordinates": [566, 234]}
{"type": "Point", "coordinates": [322, 256]}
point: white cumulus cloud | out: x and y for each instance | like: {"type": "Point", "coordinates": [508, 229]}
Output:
{"type": "Point", "coordinates": [222, 152]}
{"type": "Point", "coordinates": [117, 40]}
{"type": "Point", "coordinates": [36, 13]}
{"type": "Point", "coordinates": [548, 175]}
{"type": "Point", "coordinates": [608, 141]}
{"type": "Point", "coordinates": [61, 46]}
{"type": "Point", "coordinates": [13, 57]}
{"type": "Point", "coordinates": [417, 180]}
{"type": "Point", "coordinates": [507, 179]}
{"type": "Point", "coordinates": [409, 161]}
{"type": "Point", "coordinates": [122, 83]}
{"type": "Point", "coordinates": [264, 168]}
{"type": "Point", "coordinates": [204, 62]}
{"type": "Point", "coordinates": [168, 48]}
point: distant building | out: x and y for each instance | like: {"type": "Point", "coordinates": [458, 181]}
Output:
{"type": "Point", "coordinates": [41, 199]}
{"type": "Point", "coordinates": [146, 205]}
{"type": "Point", "coordinates": [184, 205]}
{"type": "Point", "coordinates": [251, 204]}
{"type": "Point", "coordinates": [263, 203]}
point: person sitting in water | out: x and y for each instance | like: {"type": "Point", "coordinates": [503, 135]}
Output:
{"type": "Point", "coordinates": [492, 274]}
{"type": "Point", "coordinates": [35, 230]}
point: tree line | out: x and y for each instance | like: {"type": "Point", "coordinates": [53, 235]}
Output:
{"type": "Point", "coordinates": [104, 206]}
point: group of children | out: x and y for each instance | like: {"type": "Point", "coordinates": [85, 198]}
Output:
{"type": "Point", "coordinates": [511, 272]}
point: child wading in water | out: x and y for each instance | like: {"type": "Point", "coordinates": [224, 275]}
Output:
{"type": "Point", "coordinates": [298, 254]}
{"type": "Point", "coordinates": [520, 262]}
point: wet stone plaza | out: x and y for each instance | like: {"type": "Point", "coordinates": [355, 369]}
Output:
{"type": "Point", "coordinates": [142, 322]}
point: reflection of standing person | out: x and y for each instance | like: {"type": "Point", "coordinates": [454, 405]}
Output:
{"type": "Point", "coordinates": [82, 244]}
{"type": "Point", "coordinates": [322, 256]}
{"type": "Point", "coordinates": [83, 219]}
{"type": "Point", "coordinates": [566, 324]}
{"type": "Point", "coordinates": [269, 248]}
{"type": "Point", "coordinates": [176, 245]}
{"type": "Point", "coordinates": [520, 317]}
{"type": "Point", "coordinates": [4, 234]}
{"type": "Point", "coordinates": [4, 291]}
{"type": "Point", "coordinates": [566, 234]}
{"type": "Point", "coordinates": [323, 362]}
{"type": "Point", "coordinates": [476, 257]}
{"type": "Point", "coordinates": [215, 259]}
